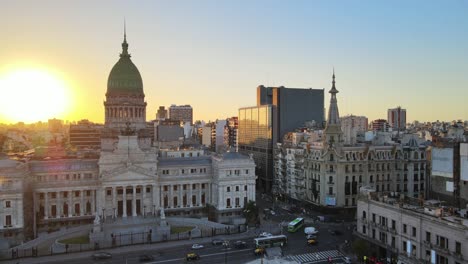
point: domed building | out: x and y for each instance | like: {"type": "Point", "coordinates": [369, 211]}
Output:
{"type": "Point", "coordinates": [125, 106]}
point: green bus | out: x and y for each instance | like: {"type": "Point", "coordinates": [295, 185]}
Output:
{"type": "Point", "coordinates": [271, 241]}
{"type": "Point", "coordinates": [295, 224]}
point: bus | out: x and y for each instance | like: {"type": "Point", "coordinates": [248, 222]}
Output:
{"type": "Point", "coordinates": [271, 241]}
{"type": "Point", "coordinates": [295, 224]}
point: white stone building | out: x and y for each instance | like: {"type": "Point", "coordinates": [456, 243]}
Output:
{"type": "Point", "coordinates": [130, 178]}
{"type": "Point", "coordinates": [412, 230]}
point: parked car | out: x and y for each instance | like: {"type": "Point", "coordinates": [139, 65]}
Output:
{"type": "Point", "coordinates": [310, 236]}
{"type": "Point", "coordinates": [347, 260]}
{"type": "Point", "coordinates": [240, 244]}
{"type": "Point", "coordinates": [101, 255]}
{"type": "Point", "coordinates": [144, 258]}
{"type": "Point", "coordinates": [310, 230]}
{"type": "Point", "coordinates": [217, 242]}
{"type": "Point", "coordinates": [197, 246]}
{"type": "Point", "coordinates": [265, 234]}
{"type": "Point", "coordinates": [192, 256]}
{"type": "Point", "coordinates": [311, 241]}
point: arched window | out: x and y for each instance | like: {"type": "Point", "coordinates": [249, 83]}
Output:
{"type": "Point", "coordinates": [363, 214]}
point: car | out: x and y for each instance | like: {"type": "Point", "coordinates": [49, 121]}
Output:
{"type": "Point", "coordinates": [192, 256]}
{"type": "Point", "coordinates": [144, 258]}
{"type": "Point", "coordinates": [310, 236]}
{"type": "Point", "coordinates": [312, 242]}
{"type": "Point", "coordinates": [101, 255]}
{"type": "Point", "coordinates": [217, 242]}
{"type": "Point", "coordinates": [310, 230]}
{"type": "Point", "coordinates": [259, 251]}
{"type": "Point", "coordinates": [265, 234]}
{"type": "Point", "coordinates": [240, 244]}
{"type": "Point", "coordinates": [197, 246]}
{"type": "Point", "coordinates": [347, 260]}
{"type": "Point", "coordinates": [335, 232]}
{"type": "Point", "coordinates": [272, 213]}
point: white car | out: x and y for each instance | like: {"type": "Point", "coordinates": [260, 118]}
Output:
{"type": "Point", "coordinates": [265, 234]}
{"type": "Point", "coordinates": [197, 246]}
{"type": "Point", "coordinates": [310, 231]}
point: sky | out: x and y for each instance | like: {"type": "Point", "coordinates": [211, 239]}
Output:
{"type": "Point", "coordinates": [213, 54]}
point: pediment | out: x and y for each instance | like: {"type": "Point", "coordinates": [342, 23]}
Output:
{"type": "Point", "coordinates": [130, 173]}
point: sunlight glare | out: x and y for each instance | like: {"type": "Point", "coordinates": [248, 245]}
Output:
{"type": "Point", "coordinates": [31, 95]}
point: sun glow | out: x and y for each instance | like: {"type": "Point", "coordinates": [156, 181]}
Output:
{"type": "Point", "coordinates": [31, 95]}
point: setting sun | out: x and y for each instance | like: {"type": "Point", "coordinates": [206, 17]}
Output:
{"type": "Point", "coordinates": [30, 95]}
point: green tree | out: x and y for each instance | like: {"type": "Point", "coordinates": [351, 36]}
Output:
{"type": "Point", "coordinates": [251, 212]}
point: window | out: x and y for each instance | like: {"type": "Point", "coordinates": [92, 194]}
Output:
{"type": "Point", "coordinates": [363, 214]}
{"type": "Point", "coordinates": [228, 189]}
{"type": "Point", "coordinates": [237, 188]}
{"type": "Point", "coordinates": [371, 179]}
{"type": "Point", "coordinates": [442, 241]}
{"type": "Point", "coordinates": [245, 187]}
{"type": "Point", "coordinates": [457, 247]}
{"type": "Point", "coordinates": [330, 190]}
{"type": "Point", "coordinates": [393, 224]}
{"type": "Point", "coordinates": [228, 202]}
{"type": "Point", "coordinates": [194, 186]}
{"type": "Point", "coordinates": [428, 237]}
{"type": "Point", "coordinates": [109, 192]}
{"type": "Point", "coordinates": [184, 187]}
{"type": "Point", "coordinates": [363, 229]}
{"type": "Point", "coordinates": [8, 220]}
{"type": "Point", "coordinates": [237, 202]}
{"type": "Point", "coordinates": [7, 204]}
{"type": "Point", "coordinates": [203, 186]}
{"type": "Point", "coordinates": [373, 218]}
{"type": "Point", "coordinates": [54, 195]}
{"type": "Point", "coordinates": [373, 233]}
{"type": "Point", "coordinates": [413, 232]}
{"type": "Point", "coordinates": [77, 193]}
{"type": "Point", "coordinates": [346, 202]}
{"type": "Point", "coordinates": [174, 187]}
{"type": "Point", "coordinates": [404, 246]}
{"type": "Point", "coordinates": [246, 171]}
{"type": "Point", "coordinates": [148, 189]}
{"type": "Point", "coordinates": [404, 228]}
{"type": "Point", "coordinates": [165, 188]}
{"type": "Point", "coordinates": [88, 193]}
{"type": "Point", "coordinates": [330, 179]}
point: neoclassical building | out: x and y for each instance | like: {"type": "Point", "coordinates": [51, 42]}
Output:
{"type": "Point", "coordinates": [131, 178]}
{"type": "Point", "coordinates": [329, 173]}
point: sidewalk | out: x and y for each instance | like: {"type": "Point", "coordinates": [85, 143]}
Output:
{"type": "Point", "coordinates": [127, 249]}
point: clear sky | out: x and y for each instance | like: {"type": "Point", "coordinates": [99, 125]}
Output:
{"type": "Point", "coordinates": [213, 54]}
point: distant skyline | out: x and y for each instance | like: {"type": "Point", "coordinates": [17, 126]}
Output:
{"type": "Point", "coordinates": [213, 54]}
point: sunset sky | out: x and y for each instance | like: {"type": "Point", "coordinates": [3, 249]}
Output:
{"type": "Point", "coordinates": [213, 54]}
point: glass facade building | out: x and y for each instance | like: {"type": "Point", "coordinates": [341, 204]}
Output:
{"type": "Point", "coordinates": [255, 136]}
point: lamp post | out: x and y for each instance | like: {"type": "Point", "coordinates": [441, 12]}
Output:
{"type": "Point", "coordinates": [225, 245]}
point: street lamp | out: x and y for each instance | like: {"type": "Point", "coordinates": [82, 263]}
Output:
{"type": "Point", "coordinates": [225, 245]}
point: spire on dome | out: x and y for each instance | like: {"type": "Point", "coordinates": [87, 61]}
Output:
{"type": "Point", "coordinates": [124, 43]}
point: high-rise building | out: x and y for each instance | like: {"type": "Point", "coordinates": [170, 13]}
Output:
{"type": "Point", "coordinates": [278, 111]}
{"type": "Point", "coordinates": [351, 125]}
{"type": "Point", "coordinates": [182, 113]}
{"type": "Point", "coordinates": [161, 114]}
{"type": "Point", "coordinates": [379, 125]}
{"type": "Point", "coordinates": [86, 135]}
{"type": "Point", "coordinates": [397, 118]}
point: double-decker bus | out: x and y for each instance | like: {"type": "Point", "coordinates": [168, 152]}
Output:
{"type": "Point", "coordinates": [295, 224]}
{"type": "Point", "coordinates": [271, 241]}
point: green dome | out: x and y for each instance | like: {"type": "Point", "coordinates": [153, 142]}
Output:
{"type": "Point", "coordinates": [124, 77]}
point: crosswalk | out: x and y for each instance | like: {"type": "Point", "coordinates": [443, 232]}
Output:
{"type": "Point", "coordinates": [316, 256]}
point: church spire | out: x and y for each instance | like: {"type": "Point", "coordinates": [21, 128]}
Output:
{"type": "Point", "coordinates": [333, 133]}
{"type": "Point", "coordinates": [124, 43]}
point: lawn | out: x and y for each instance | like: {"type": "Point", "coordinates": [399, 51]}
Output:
{"type": "Point", "coordinates": [180, 229]}
{"type": "Point", "coordinates": [76, 240]}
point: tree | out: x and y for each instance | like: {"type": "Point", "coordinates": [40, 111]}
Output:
{"type": "Point", "coordinates": [251, 212]}
{"type": "Point", "coordinates": [360, 248]}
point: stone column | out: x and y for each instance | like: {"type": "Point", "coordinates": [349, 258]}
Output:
{"type": "Point", "coordinates": [70, 204]}
{"type": "Point", "coordinates": [59, 202]}
{"type": "Point", "coordinates": [171, 196]}
{"type": "Point", "coordinates": [46, 205]}
{"type": "Point", "coordinates": [134, 201]}
{"type": "Point", "coordinates": [154, 199]}
{"type": "Point", "coordinates": [124, 202]}
{"type": "Point", "coordinates": [190, 195]}
{"type": "Point", "coordinates": [82, 203]}
{"type": "Point", "coordinates": [199, 195]}
{"type": "Point", "coordinates": [180, 200]}
{"type": "Point", "coordinates": [93, 202]}
{"type": "Point", "coordinates": [143, 197]}
{"type": "Point", "coordinates": [114, 201]}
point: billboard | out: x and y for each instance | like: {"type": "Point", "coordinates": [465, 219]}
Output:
{"type": "Point", "coordinates": [464, 161]}
{"type": "Point", "coordinates": [330, 201]}
{"type": "Point", "coordinates": [442, 162]}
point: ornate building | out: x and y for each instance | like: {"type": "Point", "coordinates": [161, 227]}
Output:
{"type": "Point", "coordinates": [330, 173]}
{"type": "Point", "coordinates": [131, 178]}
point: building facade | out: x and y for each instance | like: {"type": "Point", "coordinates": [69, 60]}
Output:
{"type": "Point", "coordinates": [397, 118]}
{"type": "Point", "coordinates": [182, 113]}
{"type": "Point", "coordinates": [130, 178]}
{"type": "Point", "coordinates": [328, 173]}
{"type": "Point", "coordinates": [85, 135]}
{"type": "Point", "coordinates": [351, 126]}
{"type": "Point", "coordinates": [406, 231]}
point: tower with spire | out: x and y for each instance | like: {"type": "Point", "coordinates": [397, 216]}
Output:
{"type": "Point", "coordinates": [333, 135]}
